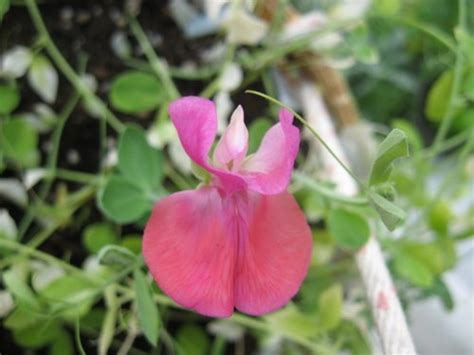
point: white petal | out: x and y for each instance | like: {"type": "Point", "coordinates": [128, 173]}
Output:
{"type": "Point", "coordinates": [179, 157]}
{"type": "Point", "coordinates": [120, 45]}
{"type": "Point", "coordinates": [231, 77]}
{"type": "Point", "coordinates": [43, 78]}
{"type": "Point", "coordinates": [161, 134]}
{"type": "Point", "coordinates": [350, 10]}
{"type": "Point", "coordinates": [44, 275]}
{"type": "Point", "coordinates": [13, 190]}
{"type": "Point", "coordinates": [244, 28]}
{"type": "Point", "coordinates": [226, 329]}
{"type": "Point", "coordinates": [33, 176]}
{"type": "Point", "coordinates": [224, 106]}
{"type": "Point", "coordinates": [15, 62]}
{"type": "Point", "coordinates": [7, 225]}
{"type": "Point", "coordinates": [213, 8]}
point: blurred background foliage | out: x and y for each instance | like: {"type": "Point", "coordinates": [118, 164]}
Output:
{"type": "Point", "coordinates": [85, 92]}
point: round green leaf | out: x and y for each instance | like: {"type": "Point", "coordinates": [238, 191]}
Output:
{"type": "Point", "coordinates": [10, 99]}
{"type": "Point", "coordinates": [99, 235]}
{"type": "Point", "coordinates": [122, 201]}
{"type": "Point", "coordinates": [18, 139]}
{"type": "Point", "coordinates": [350, 229]}
{"type": "Point", "coordinates": [135, 92]}
{"type": "Point", "coordinates": [138, 162]}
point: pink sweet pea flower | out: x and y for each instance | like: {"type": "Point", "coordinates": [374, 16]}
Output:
{"type": "Point", "coordinates": [241, 241]}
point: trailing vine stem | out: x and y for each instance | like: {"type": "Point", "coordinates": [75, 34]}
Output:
{"type": "Point", "coordinates": [314, 133]}
{"type": "Point", "coordinates": [66, 68]}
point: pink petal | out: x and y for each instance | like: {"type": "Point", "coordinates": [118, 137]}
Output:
{"type": "Point", "coordinates": [190, 253]}
{"type": "Point", "coordinates": [195, 120]}
{"type": "Point", "coordinates": [233, 145]}
{"type": "Point", "coordinates": [274, 257]}
{"type": "Point", "coordinates": [268, 171]}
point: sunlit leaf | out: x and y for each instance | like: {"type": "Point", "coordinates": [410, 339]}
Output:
{"type": "Point", "coordinates": [43, 78]}
{"type": "Point", "coordinates": [15, 62]}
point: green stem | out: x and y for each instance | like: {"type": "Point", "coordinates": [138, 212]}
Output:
{"type": "Point", "coordinates": [76, 201]}
{"type": "Point", "coordinates": [326, 191]}
{"type": "Point", "coordinates": [430, 30]}
{"type": "Point", "coordinates": [458, 69]}
{"type": "Point", "coordinates": [52, 162]}
{"type": "Point", "coordinates": [77, 176]}
{"type": "Point", "coordinates": [157, 64]}
{"type": "Point", "coordinates": [66, 69]}
{"type": "Point", "coordinates": [313, 132]}
{"type": "Point", "coordinates": [27, 250]}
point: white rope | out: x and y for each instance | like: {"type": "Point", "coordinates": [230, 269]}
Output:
{"type": "Point", "coordinates": [381, 293]}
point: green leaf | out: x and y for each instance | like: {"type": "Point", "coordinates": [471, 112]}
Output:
{"type": "Point", "coordinates": [468, 84]}
{"type": "Point", "coordinates": [122, 201]}
{"type": "Point", "coordinates": [192, 340]}
{"type": "Point", "coordinates": [350, 229]}
{"type": "Point", "coordinates": [71, 295]}
{"type": "Point", "coordinates": [10, 98]}
{"type": "Point", "coordinates": [438, 96]}
{"type": "Point", "coordinates": [429, 254]}
{"type": "Point", "coordinates": [38, 335]}
{"type": "Point", "coordinates": [440, 289]}
{"type": "Point", "coordinates": [292, 322]}
{"type": "Point", "coordinates": [19, 140]}
{"type": "Point", "coordinates": [62, 344]}
{"type": "Point", "coordinates": [465, 120]}
{"type": "Point", "coordinates": [330, 306]}
{"type": "Point", "coordinates": [354, 339]}
{"type": "Point", "coordinates": [21, 317]}
{"type": "Point", "coordinates": [413, 136]}
{"type": "Point", "coordinates": [4, 7]}
{"type": "Point", "coordinates": [135, 92]}
{"type": "Point", "coordinates": [132, 242]}
{"type": "Point", "coordinates": [15, 282]}
{"type": "Point", "coordinates": [113, 255]}
{"type": "Point", "coordinates": [148, 316]}
{"type": "Point", "coordinates": [412, 270]}
{"type": "Point", "coordinates": [439, 217]}
{"type": "Point", "coordinates": [391, 214]}
{"type": "Point", "coordinates": [138, 162]}
{"type": "Point", "coordinates": [394, 146]}
{"type": "Point", "coordinates": [98, 235]}
{"type": "Point", "coordinates": [257, 130]}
